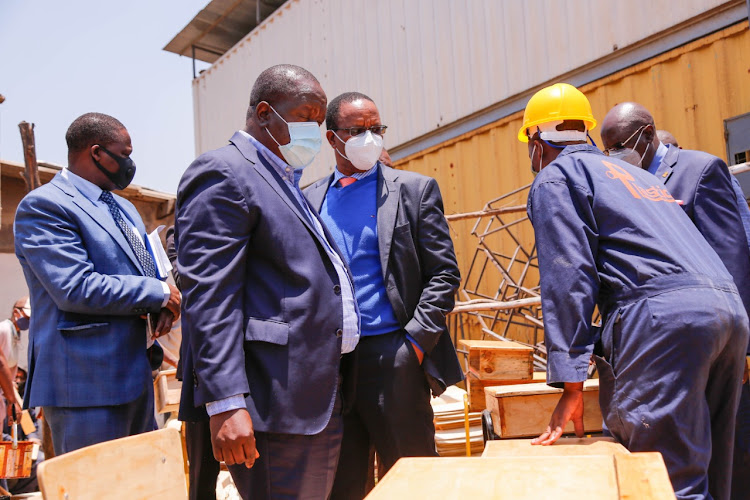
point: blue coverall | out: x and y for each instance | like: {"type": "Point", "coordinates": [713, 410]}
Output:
{"type": "Point", "coordinates": [674, 327]}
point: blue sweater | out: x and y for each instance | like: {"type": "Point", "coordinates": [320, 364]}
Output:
{"type": "Point", "coordinates": [351, 216]}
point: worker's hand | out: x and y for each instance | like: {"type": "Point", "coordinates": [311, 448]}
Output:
{"type": "Point", "coordinates": [418, 352]}
{"type": "Point", "coordinates": [233, 439]}
{"type": "Point", "coordinates": [9, 411]}
{"type": "Point", "coordinates": [570, 407]}
{"type": "Point", "coordinates": [175, 300]}
{"type": "Point", "coordinates": [163, 323]}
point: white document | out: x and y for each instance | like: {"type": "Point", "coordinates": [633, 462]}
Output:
{"type": "Point", "coordinates": [155, 248]}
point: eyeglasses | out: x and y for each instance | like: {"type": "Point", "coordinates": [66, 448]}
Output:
{"type": "Point", "coordinates": [618, 146]}
{"type": "Point", "coordinates": [375, 129]}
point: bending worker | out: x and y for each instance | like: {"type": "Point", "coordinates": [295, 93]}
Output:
{"type": "Point", "coordinates": [674, 328]}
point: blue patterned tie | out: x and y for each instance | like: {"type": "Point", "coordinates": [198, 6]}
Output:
{"type": "Point", "coordinates": [147, 262]}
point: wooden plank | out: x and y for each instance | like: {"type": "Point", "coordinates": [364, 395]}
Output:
{"type": "Point", "coordinates": [475, 388]}
{"type": "Point", "coordinates": [145, 466]}
{"type": "Point", "coordinates": [167, 391]}
{"type": "Point", "coordinates": [498, 360]}
{"type": "Point", "coordinates": [518, 478]}
{"type": "Point", "coordinates": [563, 447]}
{"type": "Point", "coordinates": [524, 410]}
{"type": "Point", "coordinates": [642, 475]}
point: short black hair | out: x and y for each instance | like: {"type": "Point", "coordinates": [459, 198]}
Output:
{"type": "Point", "coordinates": [332, 113]}
{"type": "Point", "coordinates": [278, 81]}
{"type": "Point", "coordinates": [90, 129]}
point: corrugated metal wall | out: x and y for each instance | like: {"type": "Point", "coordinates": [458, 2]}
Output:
{"type": "Point", "coordinates": [426, 63]}
{"type": "Point", "coordinates": [689, 90]}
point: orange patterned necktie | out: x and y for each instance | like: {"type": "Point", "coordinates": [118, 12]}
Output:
{"type": "Point", "coordinates": [345, 181]}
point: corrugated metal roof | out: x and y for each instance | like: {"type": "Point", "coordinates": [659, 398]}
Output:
{"type": "Point", "coordinates": [219, 26]}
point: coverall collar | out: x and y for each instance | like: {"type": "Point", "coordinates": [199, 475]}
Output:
{"type": "Point", "coordinates": [577, 148]}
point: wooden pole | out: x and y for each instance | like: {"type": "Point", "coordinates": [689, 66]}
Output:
{"type": "Point", "coordinates": [31, 174]}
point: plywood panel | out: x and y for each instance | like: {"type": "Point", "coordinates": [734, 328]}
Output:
{"type": "Point", "coordinates": [620, 476]}
{"type": "Point", "coordinates": [563, 447]}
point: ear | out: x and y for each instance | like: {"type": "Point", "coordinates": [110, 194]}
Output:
{"type": "Point", "coordinates": [262, 113]}
{"type": "Point", "coordinates": [95, 151]}
{"type": "Point", "coordinates": [331, 138]}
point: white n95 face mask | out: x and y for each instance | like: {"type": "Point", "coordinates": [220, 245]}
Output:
{"type": "Point", "coordinates": [362, 150]}
{"type": "Point", "coordinates": [304, 142]}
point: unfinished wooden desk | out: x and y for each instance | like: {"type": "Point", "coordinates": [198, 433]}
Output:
{"type": "Point", "coordinates": [641, 476]}
{"type": "Point", "coordinates": [563, 447]}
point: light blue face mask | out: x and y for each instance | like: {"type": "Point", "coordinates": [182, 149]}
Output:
{"type": "Point", "coordinates": [304, 142]}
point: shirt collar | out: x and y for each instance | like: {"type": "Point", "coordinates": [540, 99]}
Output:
{"type": "Point", "coordinates": [288, 173]}
{"type": "Point", "coordinates": [85, 187]}
{"type": "Point", "coordinates": [658, 157]}
{"type": "Point", "coordinates": [575, 148]}
{"type": "Point", "coordinates": [337, 175]}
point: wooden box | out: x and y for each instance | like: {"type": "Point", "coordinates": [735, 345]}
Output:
{"type": "Point", "coordinates": [524, 410]}
{"type": "Point", "coordinates": [563, 447]}
{"type": "Point", "coordinates": [498, 360]}
{"type": "Point", "coordinates": [641, 476]}
{"type": "Point", "coordinates": [475, 388]}
{"type": "Point", "coordinates": [167, 390]}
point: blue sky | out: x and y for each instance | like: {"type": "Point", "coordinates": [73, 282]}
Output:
{"type": "Point", "coordinates": [60, 59]}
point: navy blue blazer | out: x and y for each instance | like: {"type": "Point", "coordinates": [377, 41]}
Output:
{"type": "Point", "coordinates": [261, 299]}
{"type": "Point", "coordinates": [87, 342]}
{"type": "Point", "coordinates": [704, 185]}
{"type": "Point", "coordinates": [419, 264]}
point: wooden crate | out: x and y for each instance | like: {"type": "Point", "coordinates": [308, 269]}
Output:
{"type": "Point", "coordinates": [475, 387]}
{"type": "Point", "coordinates": [524, 410]}
{"type": "Point", "coordinates": [167, 391]}
{"type": "Point", "coordinates": [498, 360]}
{"type": "Point", "coordinates": [641, 476]}
{"type": "Point", "coordinates": [563, 446]}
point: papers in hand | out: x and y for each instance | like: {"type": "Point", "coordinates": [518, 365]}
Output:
{"type": "Point", "coordinates": [155, 248]}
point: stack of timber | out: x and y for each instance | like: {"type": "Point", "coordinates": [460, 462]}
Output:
{"type": "Point", "coordinates": [167, 391]}
{"type": "Point", "coordinates": [495, 363]}
{"type": "Point", "coordinates": [450, 425]}
{"type": "Point", "coordinates": [524, 410]}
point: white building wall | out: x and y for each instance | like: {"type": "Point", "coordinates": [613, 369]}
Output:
{"type": "Point", "coordinates": [426, 63]}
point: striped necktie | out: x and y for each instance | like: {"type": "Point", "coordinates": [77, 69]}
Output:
{"type": "Point", "coordinates": [147, 262]}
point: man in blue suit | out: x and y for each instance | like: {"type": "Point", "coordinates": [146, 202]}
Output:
{"type": "Point", "coordinates": [91, 282]}
{"type": "Point", "coordinates": [269, 303]}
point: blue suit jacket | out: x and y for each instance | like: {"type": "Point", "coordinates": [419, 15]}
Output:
{"type": "Point", "coordinates": [262, 304]}
{"type": "Point", "coordinates": [87, 342]}
{"type": "Point", "coordinates": [703, 183]}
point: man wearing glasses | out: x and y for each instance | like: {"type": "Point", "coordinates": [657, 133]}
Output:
{"type": "Point", "coordinates": [390, 227]}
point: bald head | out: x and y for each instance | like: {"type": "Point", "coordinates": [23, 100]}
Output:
{"type": "Point", "coordinates": [630, 125]}
{"type": "Point", "coordinates": [666, 137]}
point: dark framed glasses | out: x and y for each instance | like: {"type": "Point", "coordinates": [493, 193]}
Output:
{"type": "Point", "coordinates": [375, 129]}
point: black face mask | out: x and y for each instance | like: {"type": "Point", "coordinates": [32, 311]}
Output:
{"type": "Point", "coordinates": [125, 172]}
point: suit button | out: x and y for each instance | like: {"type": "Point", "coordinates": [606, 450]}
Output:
{"type": "Point", "coordinates": [339, 332]}
{"type": "Point", "coordinates": [337, 289]}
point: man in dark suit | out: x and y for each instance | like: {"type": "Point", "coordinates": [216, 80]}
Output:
{"type": "Point", "coordinates": [91, 281]}
{"type": "Point", "coordinates": [390, 226]}
{"type": "Point", "coordinates": [269, 304]}
{"type": "Point", "coordinates": [703, 185]}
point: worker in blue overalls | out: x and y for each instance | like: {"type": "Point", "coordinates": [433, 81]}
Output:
{"type": "Point", "coordinates": [673, 325]}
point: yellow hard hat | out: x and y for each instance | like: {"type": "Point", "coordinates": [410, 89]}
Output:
{"type": "Point", "coordinates": [557, 102]}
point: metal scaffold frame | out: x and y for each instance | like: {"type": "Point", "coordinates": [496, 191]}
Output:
{"type": "Point", "coordinates": [501, 288]}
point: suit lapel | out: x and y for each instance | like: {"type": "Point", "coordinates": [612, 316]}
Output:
{"type": "Point", "coordinates": [273, 179]}
{"type": "Point", "coordinates": [104, 220]}
{"type": "Point", "coordinates": [317, 193]}
{"type": "Point", "coordinates": [666, 167]}
{"type": "Point", "coordinates": [388, 190]}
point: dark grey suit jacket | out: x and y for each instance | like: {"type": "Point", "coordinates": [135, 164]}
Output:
{"type": "Point", "coordinates": [261, 298]}
{"type": "Point", "coordinates": [419, 264]}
